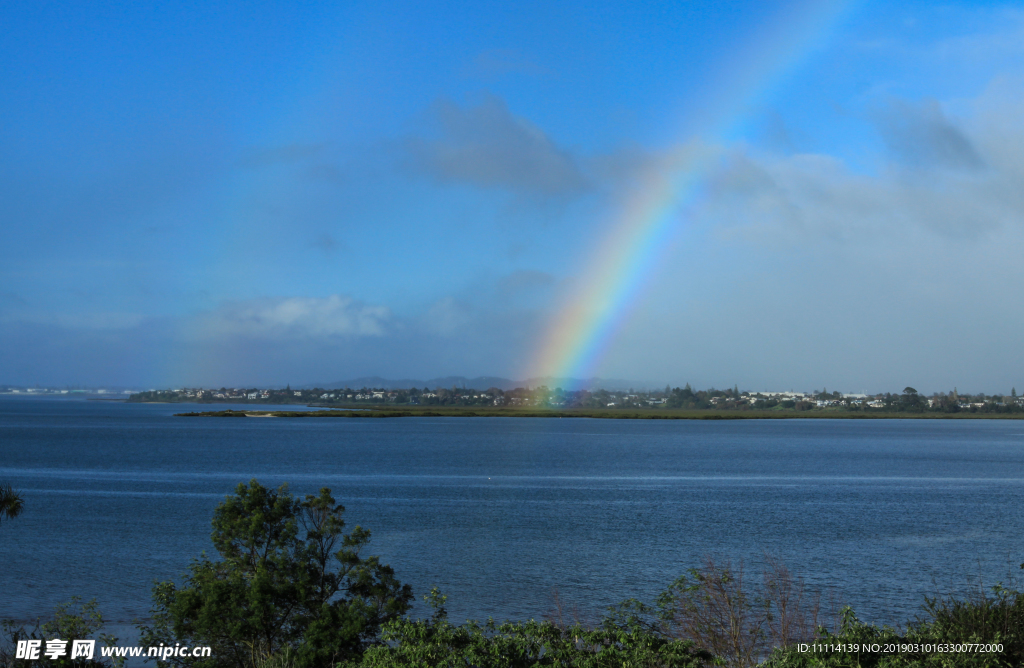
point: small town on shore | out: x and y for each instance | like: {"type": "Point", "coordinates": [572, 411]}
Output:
{"type": "Point", "coordinates": [908, 400]}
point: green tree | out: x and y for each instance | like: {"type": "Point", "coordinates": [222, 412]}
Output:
{"type": "Point", "coordinates": [11, 503]}
{"type": "Point", "coordinates": [288, 581]}
{"type": "Point", "coordinates": [910, 400]}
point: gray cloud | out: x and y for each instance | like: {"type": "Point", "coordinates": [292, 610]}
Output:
{"type": "Point", "coordinates": [922, 135]}
{"type": "Point", "coordinates": [632, 167]}
{"type": "Point", "coordinates": [489, 147]}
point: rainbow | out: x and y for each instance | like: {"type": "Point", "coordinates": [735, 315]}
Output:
{"type": "Point", "coordinates": [583, 331]}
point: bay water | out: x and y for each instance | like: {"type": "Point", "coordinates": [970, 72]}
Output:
{"type": "Point", "coordinates": [500, 513]}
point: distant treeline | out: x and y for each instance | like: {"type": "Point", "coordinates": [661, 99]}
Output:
{"type": "Point", "coordinates": [907, 401]}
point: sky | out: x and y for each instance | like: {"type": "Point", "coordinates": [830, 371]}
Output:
{"type": "Point", "coordinates": [774, 195]}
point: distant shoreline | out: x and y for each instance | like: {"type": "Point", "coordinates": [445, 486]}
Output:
{"type": "Point", "coordinates": [653, 414]}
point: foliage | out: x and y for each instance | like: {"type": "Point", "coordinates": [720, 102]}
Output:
{"type": "Point", "coordinates": [998, 613]}
{"type": "Point", "coordinates": [437, 643]}
{"type": "Point", "coordinates": [72, 620]}
{"type": "Point", "coordinates": [289, 583]}
{"type": "Point", "coordinates": [710, 616]}
{"type": "Point", "coordinates": [995, 618]}
{"type": "Point", "coordinates": [11, 503]}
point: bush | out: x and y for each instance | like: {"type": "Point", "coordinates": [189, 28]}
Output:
{"type": "Point", "coordinates": [995, 618]}
{"type": "Point", "coordinates": [436, 643]}
{"type": "Point", "coordinates": [71, 621]}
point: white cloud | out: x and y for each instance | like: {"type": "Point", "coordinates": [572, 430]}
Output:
{"type": "Point", "coordinates": [295, 318]}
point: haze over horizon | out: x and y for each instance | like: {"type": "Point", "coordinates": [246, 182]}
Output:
{"type": "Point", "coordinates": [256, 194]}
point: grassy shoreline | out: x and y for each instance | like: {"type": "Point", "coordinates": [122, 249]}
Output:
{"type": "Point", "coordinates": [620, 414]}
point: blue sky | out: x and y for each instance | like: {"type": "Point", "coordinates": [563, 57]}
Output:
{"type": "Point", "coordinates": [270, 193]}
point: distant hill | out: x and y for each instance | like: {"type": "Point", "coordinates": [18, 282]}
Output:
{"type": "Point", "coordinates": [485, 382]}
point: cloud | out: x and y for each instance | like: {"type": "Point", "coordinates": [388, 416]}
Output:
{"type": "Point", "coordinates": [810, 272]}
{"type": "Point", "coordinates": [269, 341]}
{"type": "Point", "coordinates": [632, 168]}
{"type": "Point", "coordinates": [488, 147]}
{"type": "Point", "coordinates": [294, 318]}
{"type": "Point", "coordinates": [953, 181]}
{"type": "Point", "coordinates": [921, 135]}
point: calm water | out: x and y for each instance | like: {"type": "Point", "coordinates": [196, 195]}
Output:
{"type": "Point", "coordinates": [499, 512]}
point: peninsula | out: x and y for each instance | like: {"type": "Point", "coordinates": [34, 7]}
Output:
{"type": "Point", "coordinates": [670, 403]}
{"type": "Point", "coordinates": [678, 403]}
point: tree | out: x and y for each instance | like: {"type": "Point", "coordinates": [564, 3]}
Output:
{"type": "Point", "coordinates": [289, 580]}
{"type": "Point", "coordinates": [11, 503]}
{"type": "Point", "coordinates": [910, 400]}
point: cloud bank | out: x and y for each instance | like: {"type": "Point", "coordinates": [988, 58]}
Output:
{"type": "Point", "coordinates": [489, 147]}
{"type": "Point", "coordinates": [294, 318]}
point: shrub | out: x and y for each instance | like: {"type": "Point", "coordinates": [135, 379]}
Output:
{"type": "Point", "coordinates": [436, 643]}
{"type": "Point", "coordinates": [71, 621]}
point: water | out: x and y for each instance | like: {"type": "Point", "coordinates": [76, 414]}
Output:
{"type": "Point", "coordinates": [500, 512]}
